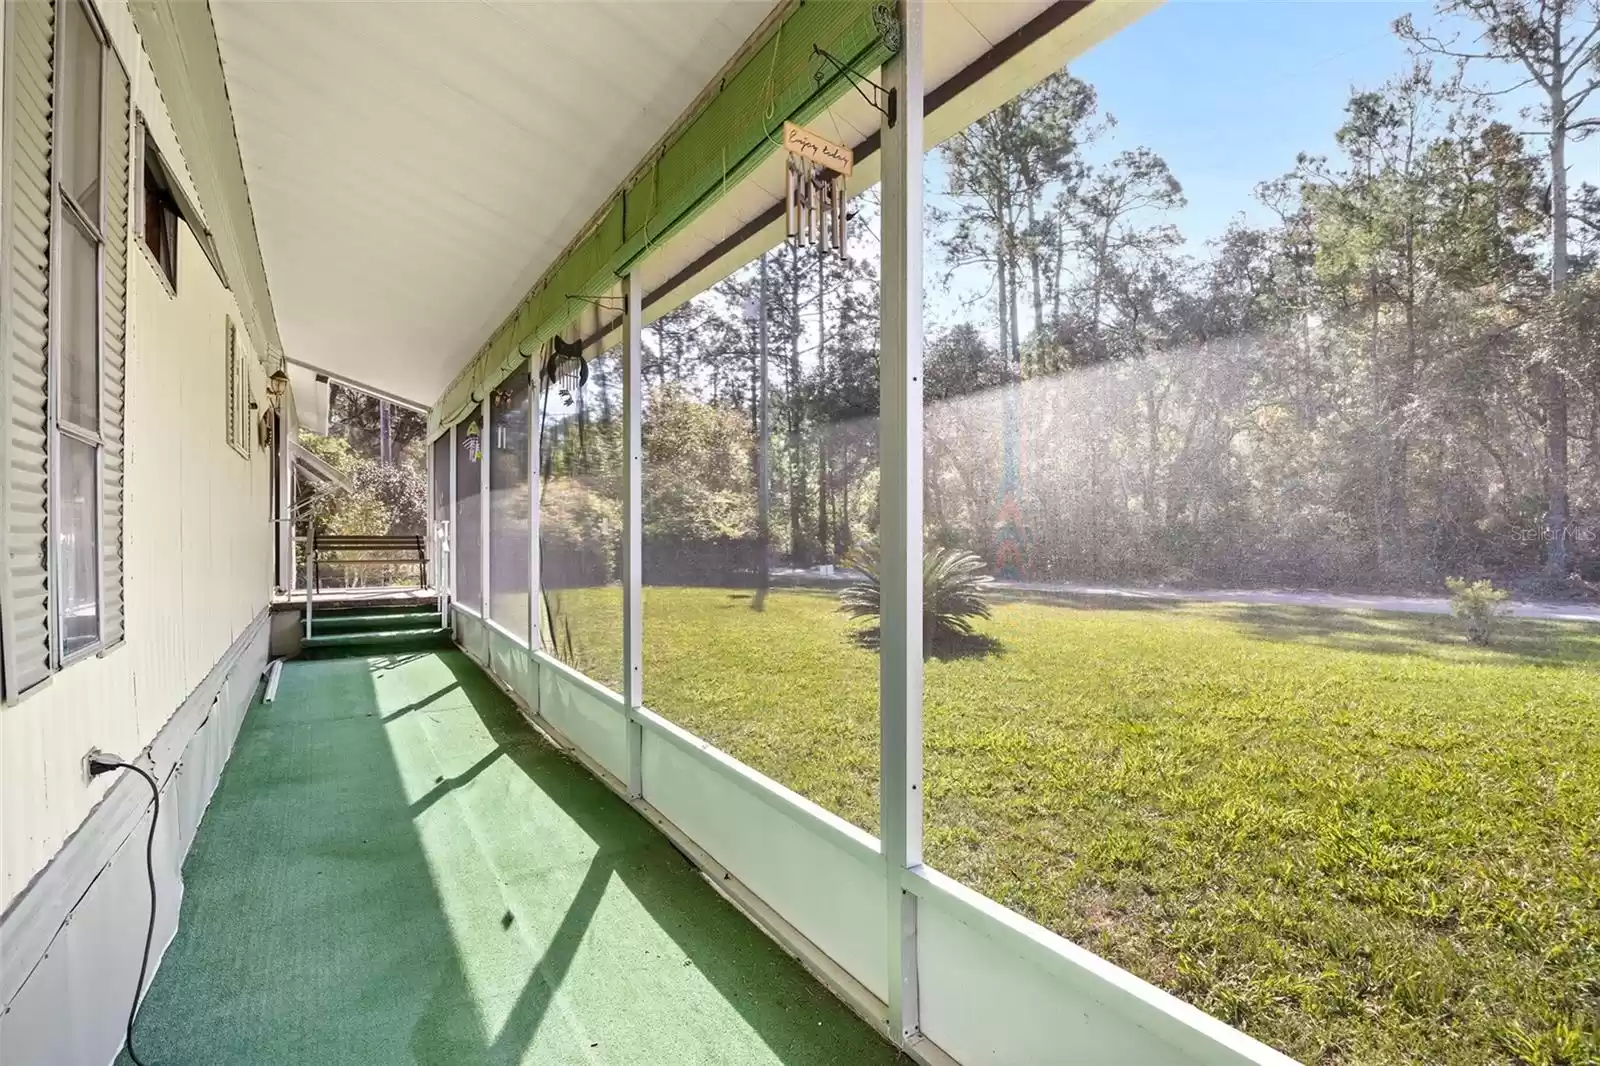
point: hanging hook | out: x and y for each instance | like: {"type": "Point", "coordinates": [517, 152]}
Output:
{"type": "Point", "coordinates": [597, 301]}
{"type": "Point", "coordinates": [889, 105]}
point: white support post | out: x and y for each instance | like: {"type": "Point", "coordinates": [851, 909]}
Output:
{"type": "Point", "coordinates": [535, 486]}
{"type": "Point", "coordinates": [439, 528]}
{"type": "Point", "coordinates": [432, 521]}
{"type": "Point", "coordinates": [450, 530]}
{"type": "Point", "coordinates": [633, 531]}
{"type": "Point", "coordinates": [483, 512]}
{"type": "Point", "coordinates": [900, 503]}
{"type": "Point", "coordinates": [763, 457]}
{"type": "Point", "coordinates": [311, 551]}
{"type": "Point", "coordinates": [283, 472]}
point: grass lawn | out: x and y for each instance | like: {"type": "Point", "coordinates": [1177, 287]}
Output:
{"type": "Point", "coordinates": [1353, 835]}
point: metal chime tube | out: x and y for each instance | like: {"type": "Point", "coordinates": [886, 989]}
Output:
{"type": "Point", "coordinates": [834, 210]}
{"type": "Point", "coordinates": [824, 214]}
{"type": "Point", "coordinates": [816, 204]}
{"type": "Point", "coordinates": [805, 202]}
{"type": "Point", "coordinates": [799, 202]}
{"type": "Point", "coordinates": [791, 208]}
{"type": "Point", "coordinates": [813, 204]}
{"type": "Point", "coordinates": [838, 215]}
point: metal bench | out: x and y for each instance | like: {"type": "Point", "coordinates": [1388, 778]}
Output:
{"type": "Point", "coordinates": [410, 547]}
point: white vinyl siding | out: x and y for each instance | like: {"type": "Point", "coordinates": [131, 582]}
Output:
{"type": "Point", "coordinates": [196, 549]}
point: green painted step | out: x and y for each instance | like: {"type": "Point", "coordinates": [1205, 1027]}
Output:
{"type": "Point", "coordinates": [372, 622]}
{"type": "Point", "coordinates": [387, 638]}
{"type": "Point", "coordinates": [395, 610]}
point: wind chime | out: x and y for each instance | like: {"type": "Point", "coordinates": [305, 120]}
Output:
{"type": "Point", "coordinates": [815, 207]}
{"type": "Point", "coordinates": [566, 370]}
{"type": "Point", "coordinates": [815, 210]}
{"type": "Point", "coordinates": [814, 195]}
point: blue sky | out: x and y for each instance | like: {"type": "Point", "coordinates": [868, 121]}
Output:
{"type": "Point", "coordinates": [1228, 92]}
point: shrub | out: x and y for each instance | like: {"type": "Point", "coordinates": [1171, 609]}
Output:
{"type": "Point", "coordinates": [580, 529]}
{"type": "Point", "coordinates": [955, 592]}
{"type": "Point", "coordinates": [702, 486]}
{"type": "Point", "coordinates": [1479, 605]}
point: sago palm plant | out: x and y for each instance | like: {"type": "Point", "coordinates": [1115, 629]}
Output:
{"type": "Point", "coordinates": [955, 592]}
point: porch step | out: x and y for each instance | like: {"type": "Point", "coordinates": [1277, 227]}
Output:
{"type": "Point", "coordinates": [380, 640]}
{"type": "Point", "coordinates": [373, 622]}
{"type": "Point", "coordinates": [345, 610]}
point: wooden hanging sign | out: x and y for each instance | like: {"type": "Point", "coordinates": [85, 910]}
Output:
{"type": "Point", "coordinates": [797, 140]}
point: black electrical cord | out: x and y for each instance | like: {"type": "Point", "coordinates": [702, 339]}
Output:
{"type": "Point", "coordinates": [100, 764]}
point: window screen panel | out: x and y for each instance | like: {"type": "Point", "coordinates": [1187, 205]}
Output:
{"type": "Point", "coordinates": [510, 505]}
{"type": "Point", "coordinates": [469, 512]}
{"type": "Point", "coordinates": [441, 510]}
{"type": "Point", "coordinates": [83, 62]}
{"type": "Point", "coordinates": [78, 546]}
{"type": "Point", "coordinates": [78, 353]}
{"type": "Point", "coordinates": [580, 519]}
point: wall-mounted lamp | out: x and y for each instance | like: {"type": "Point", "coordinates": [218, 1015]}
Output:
{"type": "Point", "coordinates": [277, 385]}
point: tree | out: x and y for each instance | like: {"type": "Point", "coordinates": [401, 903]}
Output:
{"type": "Point", "coordinates": [375, 427]}
{"type": "Point", "coordinates": [382, 500]}
{"type": "Point", "coordinates": [1345, 389]}
{"type": "Point", "coordinates": [702, 483]}
{"type": "Point", "coordinates": [1000, 168]}
{"type": "Point", "coordinates": [960, 361]}
{"type": "Point", "coordinates": [843, 398]}
{"type": "Point", "coordinates": [1114, 228]}
{"type": "Point", "coordinates": [963, 375]}
{"type": "Point", "coordinates": [1557, 44]}
{"type": "Point", "coordinates": [1373, 218]}
{"type": "Point", "coordinates": [675, 332]}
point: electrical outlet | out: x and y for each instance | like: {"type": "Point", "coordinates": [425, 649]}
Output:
{"type": "Point", "coordinates": [97, 762]}
{"type": "Point", "coordinates": [88, 757]}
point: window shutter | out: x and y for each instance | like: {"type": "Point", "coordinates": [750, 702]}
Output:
{"type": "Point", "coordinates": [24, 344]}
{"type": "Point", "coordinates": [239, 414]}
{"type": "Point", "coordinates": [114, 308]}
{"type": "Point", "coordinates": [230, 387]}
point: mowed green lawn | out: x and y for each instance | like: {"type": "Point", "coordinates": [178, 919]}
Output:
{"type": "Point", "coordinates": [1353, 835]}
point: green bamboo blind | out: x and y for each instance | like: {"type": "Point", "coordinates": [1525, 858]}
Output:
{"type": "Point", "coordinates": [728, 137]}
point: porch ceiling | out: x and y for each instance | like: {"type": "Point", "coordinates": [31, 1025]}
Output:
{"type": "Point", "coordinates": [413, 168]}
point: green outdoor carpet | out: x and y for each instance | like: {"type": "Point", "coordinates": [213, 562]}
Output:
{"type": "Point", "coordinates": [397, 869]}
